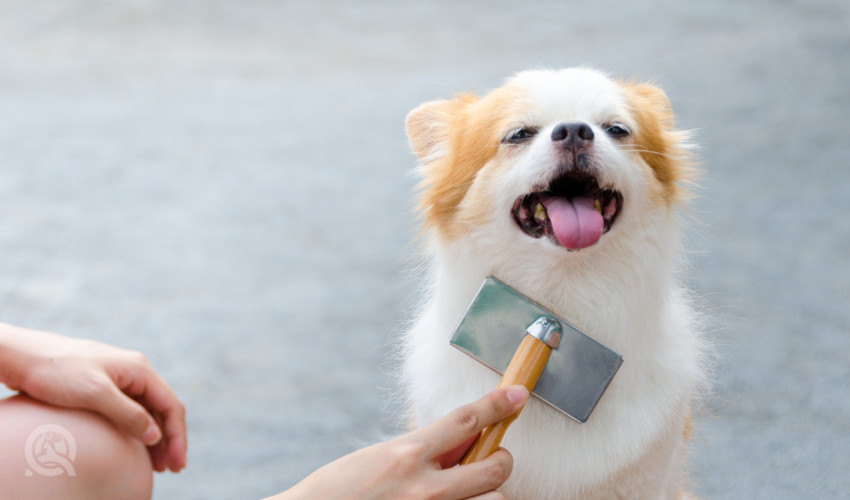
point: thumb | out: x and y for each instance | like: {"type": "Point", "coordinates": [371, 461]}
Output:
{"type": "Point", "coordinates": [127, 415]}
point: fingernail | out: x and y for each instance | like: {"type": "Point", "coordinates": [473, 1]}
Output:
{"type": "Point", "coordinates": [151, 435]}
{"type": "Point", "coordinates": [517, 394]}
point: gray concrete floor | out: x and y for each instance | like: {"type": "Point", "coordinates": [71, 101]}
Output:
{"type": "Point", "coordinates": [225, 186]}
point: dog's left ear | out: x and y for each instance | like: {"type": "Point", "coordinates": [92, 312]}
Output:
{"type": "Point", "coordinates": [650, 98]}
{"type": "Point", "coordinates": [426, 126]}
{"type": "Point", "coordinates": [667, 150]}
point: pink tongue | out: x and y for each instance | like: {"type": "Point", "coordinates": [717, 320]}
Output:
{"type": "Point", "coordinates": [575, 222]}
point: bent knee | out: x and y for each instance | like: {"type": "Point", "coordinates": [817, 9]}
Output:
{"type": "Point", "coordinates": [48, 452]}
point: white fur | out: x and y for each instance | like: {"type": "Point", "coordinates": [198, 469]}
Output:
{"type": "Point", "coordinates": [623, 291]}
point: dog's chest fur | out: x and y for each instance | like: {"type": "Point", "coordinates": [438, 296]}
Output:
{"type": "Point", "coordinates": [631, 441]}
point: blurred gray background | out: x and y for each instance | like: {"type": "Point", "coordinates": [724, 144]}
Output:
{"type": "Point", "coordinates": [225, 186]}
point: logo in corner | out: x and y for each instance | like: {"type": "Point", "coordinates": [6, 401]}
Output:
{"type": "Point", "coordinates": [50, 451]}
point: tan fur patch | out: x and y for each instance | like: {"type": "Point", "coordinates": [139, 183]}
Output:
{"type": "Point", "coordinates": [658, 144]}
{"type": "Point", "coordinates": [688, 430]}
{"type": "Point", "coordinates": [687, 434]}
{"type": "Point", "coordinates": [455, 139]}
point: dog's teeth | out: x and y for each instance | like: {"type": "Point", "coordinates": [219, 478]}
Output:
{"type": "Point", "coordinates": [540, 212]}
{"type": "Point", "coordinates": [597, 206]}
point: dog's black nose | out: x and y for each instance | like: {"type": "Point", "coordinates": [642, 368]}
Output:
{"type": "Point", "coordinates": [573, 135]}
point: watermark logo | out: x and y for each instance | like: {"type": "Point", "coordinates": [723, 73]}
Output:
{"type": "Point", "coordinates": [50, 451]}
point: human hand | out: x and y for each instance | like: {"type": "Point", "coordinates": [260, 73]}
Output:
{"type": "Point", "coordinates": [118, 383]}
{"type": "Point", "coordinates": [421, 464]}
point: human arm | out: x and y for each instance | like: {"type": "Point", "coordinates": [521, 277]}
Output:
{"type": "Point", "coordinates": [421, 464]}
{"type": "Point", "coordinates": [118, 383]}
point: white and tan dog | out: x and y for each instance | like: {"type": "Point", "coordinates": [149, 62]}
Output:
{"type": "Point", "coordinates": [563, 184]}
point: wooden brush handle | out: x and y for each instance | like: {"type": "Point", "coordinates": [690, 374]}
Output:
{"type": "Point", "coordinates": [524, 369]}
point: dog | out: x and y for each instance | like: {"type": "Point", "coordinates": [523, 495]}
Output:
{"type": "Point", "coordinates": [567, 185]}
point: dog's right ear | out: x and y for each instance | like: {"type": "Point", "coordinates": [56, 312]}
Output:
{"type": "Point", "coordinates": [427, 127]}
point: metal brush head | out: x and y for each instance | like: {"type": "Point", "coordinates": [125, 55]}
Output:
{"type": "Point", "coordinates": [579, 369]}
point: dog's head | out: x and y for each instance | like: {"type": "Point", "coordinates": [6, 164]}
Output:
{"type": "Point", "coordinates": [553, 158]}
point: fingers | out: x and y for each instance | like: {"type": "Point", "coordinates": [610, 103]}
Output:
{"type": "Point", "coordinates": [158, 454]}
{"type": "Point", "coordinates": [129, 416]}
{"type": "Point", "coordinates": [163, 428]}
{"type": "Point", "coordinates": [480, 477]}
{"type": "Point", "coordinates": [455, 429]}
{"type": "Point", "coordinates": [171, 416]}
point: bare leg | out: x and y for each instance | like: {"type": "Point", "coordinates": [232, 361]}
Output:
{"type": "Point", "coordinates": [50, 452]}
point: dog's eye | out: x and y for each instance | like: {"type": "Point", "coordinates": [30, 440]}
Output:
{"type": "Point", "coordinates": [617, 130]}
{"type": "Point", "coordinates": [519, 135]}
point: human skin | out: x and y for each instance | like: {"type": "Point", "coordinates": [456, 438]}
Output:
{"type": "Point", "coordinates": [422, 463]}
{"type": "Point", "coordinates": [124, 419]}
{"type": "Point", "coordinates": [117, 383]}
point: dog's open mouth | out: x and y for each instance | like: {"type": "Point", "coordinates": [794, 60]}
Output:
{"type": "Point", "coordinates": [573, 210]}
